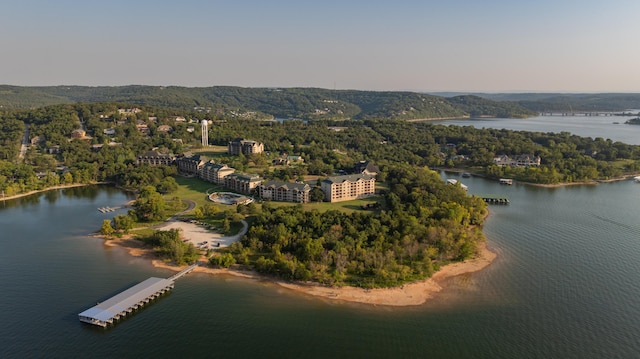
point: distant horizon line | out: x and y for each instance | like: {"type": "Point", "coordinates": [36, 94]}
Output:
{"type": "Point", "coordinates": [355, 89]}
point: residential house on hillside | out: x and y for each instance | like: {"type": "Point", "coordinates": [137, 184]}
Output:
{"type": "Point", "coordinates": [366, 167]}
{"type": "Point", "coordinates": [165, 128]}
{"type": "Point", "coordinates": [79, 133]}
{"type": "Point", "coordinates": [37, 140]}
{"type": "Point", "coordinates": [155, 158]}
{"type": "Point", "coordinates": [143, 128]}
{"type": "Point", "coordinates": [517, 161]}
{"type": "Point", "coordinates": [97, 147]}
{"type": "Point", "coordinates": [527, 160]}
{"type": "Point", "coordinates": [246, 147]}
{"type": "Point", "coordinates": [286, 160]}
{"type": "Point", "coordinates": [285, 191]}
{"type": "Point", "coordinates": [348, 187]}
{"type": "Point", "coordinates": [125, 111]}
{"type": "Point", "coordinates": [53, 150]}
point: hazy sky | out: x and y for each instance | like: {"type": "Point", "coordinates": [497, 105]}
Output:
{"type": "Point", "coordinates": [420, 45]}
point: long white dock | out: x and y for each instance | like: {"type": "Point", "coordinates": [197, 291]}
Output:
{"type": "Point", "coordinates": [131, 299]}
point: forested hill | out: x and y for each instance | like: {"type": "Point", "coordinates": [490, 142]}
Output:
{"type": "Point", "coordinates": [304, 103]}
{"type": "Point", "coordinates": [562, 102]}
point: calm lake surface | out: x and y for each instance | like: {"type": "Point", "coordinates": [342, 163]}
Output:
{"type": "Point", "coordinates": [586, 126]}
{"type": "Point", "coordinates": [566, 284]}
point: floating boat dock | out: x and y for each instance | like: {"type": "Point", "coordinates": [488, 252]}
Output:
{"type": "Point", "coordinates": [494, 199]}
{"type": "Point", "coordinates": [455, 182]}
{"type": "Point", "coordinates": [126, 302]}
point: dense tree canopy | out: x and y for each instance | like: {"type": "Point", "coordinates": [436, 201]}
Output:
{"type": "Point", "coordinates": [424, 223]}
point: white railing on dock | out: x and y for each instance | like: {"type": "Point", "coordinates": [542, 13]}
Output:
{"type": "Point", "coordinates": [183, 272]}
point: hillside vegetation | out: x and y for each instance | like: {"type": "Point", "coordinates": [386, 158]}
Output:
{"type": "Point", "coordinates": [303, 103]}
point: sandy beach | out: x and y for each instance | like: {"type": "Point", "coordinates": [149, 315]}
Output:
{"type": "Point", "coordinates": [409, 294]}
{"type": "Point", "coordinates": [197, 235]}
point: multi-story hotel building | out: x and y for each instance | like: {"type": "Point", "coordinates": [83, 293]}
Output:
{"type": "Point", "coordinates": [215, 172]}
{"type": "Point", "coordinates": [242, 183]}
{"type": "Point", "coordinates": [155, 158]}
{"type": "Point", "coordinates": [246, 147]}
{"type": "Point", "coordinates": [285, 191]}
{"type": "Point", "coordinates": [190, 164]}
{"type": "Point", "coordinates": [348, 187]}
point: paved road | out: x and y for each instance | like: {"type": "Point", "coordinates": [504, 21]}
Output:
{"type": "Point", "coordinates": [25, 142]}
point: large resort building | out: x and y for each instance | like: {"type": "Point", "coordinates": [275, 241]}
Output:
{"type": "Point", "coordinates": [215, 172]}
{"type": "Point", "coordinates": [155, 158]}
{"type": "Point", "coordinates": [336, 189]}
{"type": "Point", "coordinates": [190, 164]}
{"type": "Point", "coordinates": [242, 183]}
{"type": "Point", "coordinates": [348, 187]}
{"type": "Point", "coordinates": [246, 147]}
{"type": "Point", "coordinates": [285, 191]}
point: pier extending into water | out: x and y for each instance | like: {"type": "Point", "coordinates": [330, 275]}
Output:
{"type": "Point", "coordinates": [126, 302]}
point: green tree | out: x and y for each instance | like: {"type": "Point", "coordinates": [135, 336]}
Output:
{"type": "Point", "coordinates": [150, 205]}
{"type": "Point", "coordinates": [123, 222]}
{"type": "Point", "coordinates": [316, 194]}
{"type": "Point", "coordinates": [167, 185]}
{"type": "Point", "coordinates": [106, 229]}
{"type": "Point", "coordinates": [225, 260]}
{"type": "Point", "coordinates": [226, 225]}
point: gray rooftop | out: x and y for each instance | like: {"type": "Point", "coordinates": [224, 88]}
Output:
{"type": "Point", "coordinates": [288, 185]}
{"type": "Point", "coordinates": [351, 178]}
{"type": "Point", "coordinates": [119, 303]}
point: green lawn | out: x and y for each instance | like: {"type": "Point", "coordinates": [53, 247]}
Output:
{"type": "Point", "coordinates": [194, 189]}
{"type": "Point", "coordinates": [211, 150]}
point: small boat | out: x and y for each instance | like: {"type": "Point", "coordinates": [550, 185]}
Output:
{"type": "Point", "coordinates": [637, 179]}
{"type": "Point", "coordinates": [466, 174]}
{"type": "Point", "coordinates": [507, 181]}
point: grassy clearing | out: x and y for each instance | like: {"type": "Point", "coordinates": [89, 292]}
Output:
{"type": "Point", "coordinates": [211, 150]}
{"type": "Point", "coordinates": [194, 189]}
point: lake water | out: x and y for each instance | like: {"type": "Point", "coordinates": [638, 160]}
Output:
{"type": "Point", "coordinates": [566, 284]}
{"type": "Point", "coordinates": [587, 126]}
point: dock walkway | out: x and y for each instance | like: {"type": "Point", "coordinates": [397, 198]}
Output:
{"type": "Point", "coordinates": [131, 299]}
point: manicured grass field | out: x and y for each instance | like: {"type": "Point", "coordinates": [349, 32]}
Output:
{"type": "Point", "coordinates": [195, 189]}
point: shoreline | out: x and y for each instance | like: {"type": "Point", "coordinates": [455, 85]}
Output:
{"type": "Point", "coordinates": [410, 294]}
{"type": "Point", "coordinates": [546, 185]}
{"type": "Point", "coordinates": [62, 186]}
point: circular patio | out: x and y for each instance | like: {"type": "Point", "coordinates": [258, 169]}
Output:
{"type": "Point", "coordinates": [229, 198]}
